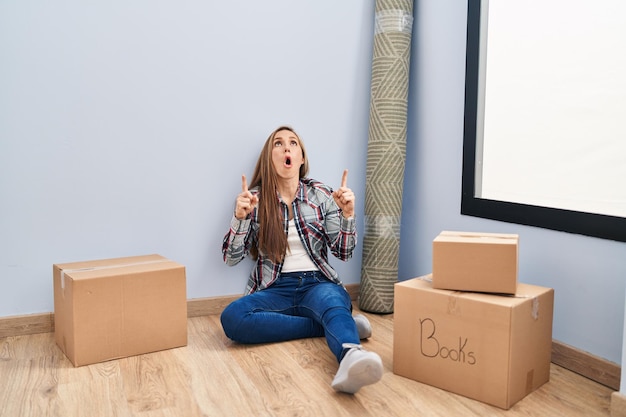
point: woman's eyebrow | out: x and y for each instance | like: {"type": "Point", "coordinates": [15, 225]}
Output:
{"type": "Point", "coordinates": [288, 137]}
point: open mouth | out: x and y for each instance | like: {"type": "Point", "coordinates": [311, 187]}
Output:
{"type": "Point", "coordinates": [288, 161]}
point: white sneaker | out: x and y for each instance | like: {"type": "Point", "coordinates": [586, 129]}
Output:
{"type": "Point", "coordinates": [357, 369]}
{"type": "Point", "coordinates": [363, 326]}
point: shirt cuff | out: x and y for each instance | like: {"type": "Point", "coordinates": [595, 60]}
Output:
{"type": "Point", "coordinates": [240, 226]}
{"type": "Point", "coordinates": [348, 224]}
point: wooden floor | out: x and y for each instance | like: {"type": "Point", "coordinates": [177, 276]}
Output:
{"type": "Point", "coordinates": [214, 377]}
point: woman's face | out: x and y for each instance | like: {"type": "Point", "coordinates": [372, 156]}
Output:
{"type": "Point", "coordinates": [287, 155]}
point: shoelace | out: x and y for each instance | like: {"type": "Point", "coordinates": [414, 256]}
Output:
{"type": "Point", "coordinates": [352, 346]}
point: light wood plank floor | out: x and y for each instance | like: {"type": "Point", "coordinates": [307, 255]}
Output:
{"type": "Point", "coordinates": [215, 377]}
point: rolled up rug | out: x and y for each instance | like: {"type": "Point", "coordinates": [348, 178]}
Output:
{"type": "Point", "coordinates": [386, 154]}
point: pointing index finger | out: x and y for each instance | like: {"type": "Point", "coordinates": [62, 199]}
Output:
{"type": "Point", "coordinates": [244, 184]}
{"type": "Point", "coordinates": [344, 178]}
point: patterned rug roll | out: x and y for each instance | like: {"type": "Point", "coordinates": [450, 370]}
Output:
{"type": "Point", "coordinates": [386, 154]}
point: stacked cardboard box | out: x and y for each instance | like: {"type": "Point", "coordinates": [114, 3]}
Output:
{"type": "Point", "coordinates": [481, 262]}
{"type": "Point", "coordinates": [113, 308]}
{"type": "Point", "coordinates": [477, 341]}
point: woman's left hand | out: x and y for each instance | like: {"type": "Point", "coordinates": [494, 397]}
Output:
{"type": "Point", "coordinates": [344, 197]}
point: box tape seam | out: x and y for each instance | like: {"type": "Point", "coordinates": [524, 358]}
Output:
{"type": "Point", "coordinates": [534, 312]}
{"type": "Point", "coordinates": [98, 268]}
{"type": "Point", "coordinates": [453, 308]}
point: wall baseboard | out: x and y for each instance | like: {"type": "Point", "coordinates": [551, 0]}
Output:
{"type": "Point", "coordinates": [578, 361]}
{"type": "Point", "coordinates": [584, 363]}
{"type": "Point", "coordinates": [28, 324]}
{"type": "Point", "coordinates": [197, 307]}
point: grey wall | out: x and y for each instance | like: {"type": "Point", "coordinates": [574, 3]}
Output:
{"type": "Point", "coordinates": [125, 127]}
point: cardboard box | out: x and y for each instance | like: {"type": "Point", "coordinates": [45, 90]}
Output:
{"type": "Point", "coordinates": [482, 262]}
{"type": "Point", "coordinates": [113, 308]}
{"type": "Point", "coordinates": [492, 348]}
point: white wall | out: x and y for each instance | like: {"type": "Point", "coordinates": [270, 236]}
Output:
{"type": "Point", "coordinates": [588, 274]}
{"type": "Point", "coordinates": [125, 126]}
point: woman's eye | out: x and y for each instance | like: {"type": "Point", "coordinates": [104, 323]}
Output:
{"type": "Point", "coordinates": [278, 144]}
{"type": "Point", "coordinates": [294, 143]}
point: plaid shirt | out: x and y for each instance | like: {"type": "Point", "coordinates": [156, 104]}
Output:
{"type": "Point", "coordinates": [320, 226]}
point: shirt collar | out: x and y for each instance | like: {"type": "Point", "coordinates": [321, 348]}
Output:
{"type": "Point", "coordinates": [301, 192]}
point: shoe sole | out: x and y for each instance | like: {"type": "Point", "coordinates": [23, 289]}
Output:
{"type": "Point", "coordinates": [363, 372]}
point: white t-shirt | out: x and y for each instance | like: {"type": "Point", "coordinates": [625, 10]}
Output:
{"type": "Point", "coordinates": [296, 259]}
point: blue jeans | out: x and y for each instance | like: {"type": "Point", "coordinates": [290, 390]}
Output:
{"type": "Point", "coordinates": [298, 305]}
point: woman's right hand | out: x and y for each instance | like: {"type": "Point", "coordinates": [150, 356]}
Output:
{"type": "Point", "coordinates": [246, 201]}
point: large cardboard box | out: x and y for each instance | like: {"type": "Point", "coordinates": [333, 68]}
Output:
{"type": "Point", "coordinates": [492, 348]}
{"type": "Point", "coordinates": [113, 308]}
{"type": "Point", "coordinates": [482, 262]}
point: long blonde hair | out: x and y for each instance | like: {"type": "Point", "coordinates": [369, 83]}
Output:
{"type": "Point", "coordinates": [272, 240]}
